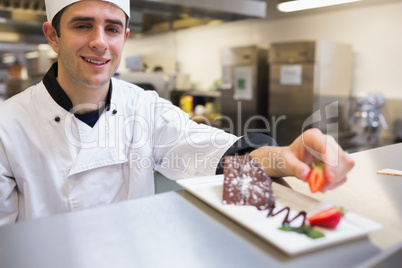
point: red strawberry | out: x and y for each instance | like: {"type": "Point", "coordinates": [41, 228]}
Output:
{"type": "Point", "coordinates": [328, 218]}
{"type": "Point", "coordinates": [316, 177]}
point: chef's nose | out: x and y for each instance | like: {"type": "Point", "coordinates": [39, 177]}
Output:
{"type": "Point", "coordinates": [98, 40]}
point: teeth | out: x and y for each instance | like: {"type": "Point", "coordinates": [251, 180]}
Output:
{"type": "Point", "coordinates": [95, 61]}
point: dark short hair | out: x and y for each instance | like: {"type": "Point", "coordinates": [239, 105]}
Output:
{"type": "Point", "coordinates": [56, 21]}
{"type": "Point", "coordinates": [57, 18]}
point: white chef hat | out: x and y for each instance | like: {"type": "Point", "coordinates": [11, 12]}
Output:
{"type": "Point", "coordinates": [54, 6]}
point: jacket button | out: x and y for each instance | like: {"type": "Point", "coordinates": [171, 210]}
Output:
{"type": "Point", "coordinates": [114, 111]}
{"type": "Point", "coordinates": [57, 119]}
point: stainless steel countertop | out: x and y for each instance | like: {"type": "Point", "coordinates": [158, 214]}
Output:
{"type": "Point", "coordinates": [175, 229]}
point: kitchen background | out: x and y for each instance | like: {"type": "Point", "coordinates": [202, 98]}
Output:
{"type": "Point", "coordinates": [372, 31]}
{"type": "Point", "coordinates": [193, 54]}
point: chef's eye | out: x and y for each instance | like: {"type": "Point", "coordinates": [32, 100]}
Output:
{"type": "Point", "coordinates": [112, 30]}
{"type": "Point", "coordinates": [82, 26]}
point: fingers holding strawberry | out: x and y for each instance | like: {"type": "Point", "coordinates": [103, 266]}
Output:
{"type": "Point", "coordinates": [315, 147]}
{"type": "Point", "coordinates": [312, 146]}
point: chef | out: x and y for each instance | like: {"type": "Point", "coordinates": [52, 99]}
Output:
{"type": "Point", "coordinates": [81, 138]}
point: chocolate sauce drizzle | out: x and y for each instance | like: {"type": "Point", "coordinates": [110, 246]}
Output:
{"type": "Point", "coordinates": [286, 221]}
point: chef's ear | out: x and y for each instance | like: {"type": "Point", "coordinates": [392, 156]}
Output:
{"type": "Point", "coordinates": [127, 35]}
{"type": "Point", "coordinates": [51, 36]}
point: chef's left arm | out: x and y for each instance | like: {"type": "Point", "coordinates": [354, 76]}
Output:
{"type": "Point", "coordinates": [183, 149]}
{"type": "Point", "coordinates": [245, 145]}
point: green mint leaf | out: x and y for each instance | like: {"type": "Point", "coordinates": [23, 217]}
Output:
{"type": "Point", "coordinates": [291, 229]}
{"type": "Point", "coordinates": [305, 229]}
{"type": "Point", "coordinates": [310, 232]}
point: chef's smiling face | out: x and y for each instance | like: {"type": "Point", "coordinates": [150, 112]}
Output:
{"type": "Point", "coordinates": [92, 36]}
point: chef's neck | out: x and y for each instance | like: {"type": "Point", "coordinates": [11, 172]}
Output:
{"type": "Point", "coordinates": [85, 99]}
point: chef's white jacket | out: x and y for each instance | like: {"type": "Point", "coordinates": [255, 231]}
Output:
{"type": "Point", "coordinates": [51, 162]}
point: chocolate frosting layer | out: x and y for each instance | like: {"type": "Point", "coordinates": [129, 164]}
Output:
{"type": "Point", "coordinates": [246, 183]}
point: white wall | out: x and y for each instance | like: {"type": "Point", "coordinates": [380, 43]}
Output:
{"type": "Point", "coordinates": [374, 32]}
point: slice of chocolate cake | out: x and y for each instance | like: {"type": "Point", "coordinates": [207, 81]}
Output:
{"type": "Point", "coordinates": [246, 183]}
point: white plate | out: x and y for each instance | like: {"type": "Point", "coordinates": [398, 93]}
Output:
{"type": "Point", "coordinates": [352, 226]}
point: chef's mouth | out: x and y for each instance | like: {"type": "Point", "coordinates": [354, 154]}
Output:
{"type": "Point", "coordinates": [96, 62]}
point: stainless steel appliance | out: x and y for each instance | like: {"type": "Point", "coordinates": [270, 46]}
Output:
{"type": "Point", "coordinates": [244, 89]}
{"type": "Point", "coordinates": [149, 81]}
{"type": "Point", "coordinates": [310, 86]}
{"type": "Point", "coordinates": [366, 122]}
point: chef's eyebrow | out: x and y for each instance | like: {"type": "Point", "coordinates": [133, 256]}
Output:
{"type": "Point", "coordinates": [116, 22]}
{"type": "Point", "coordinates": [91, 19]}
